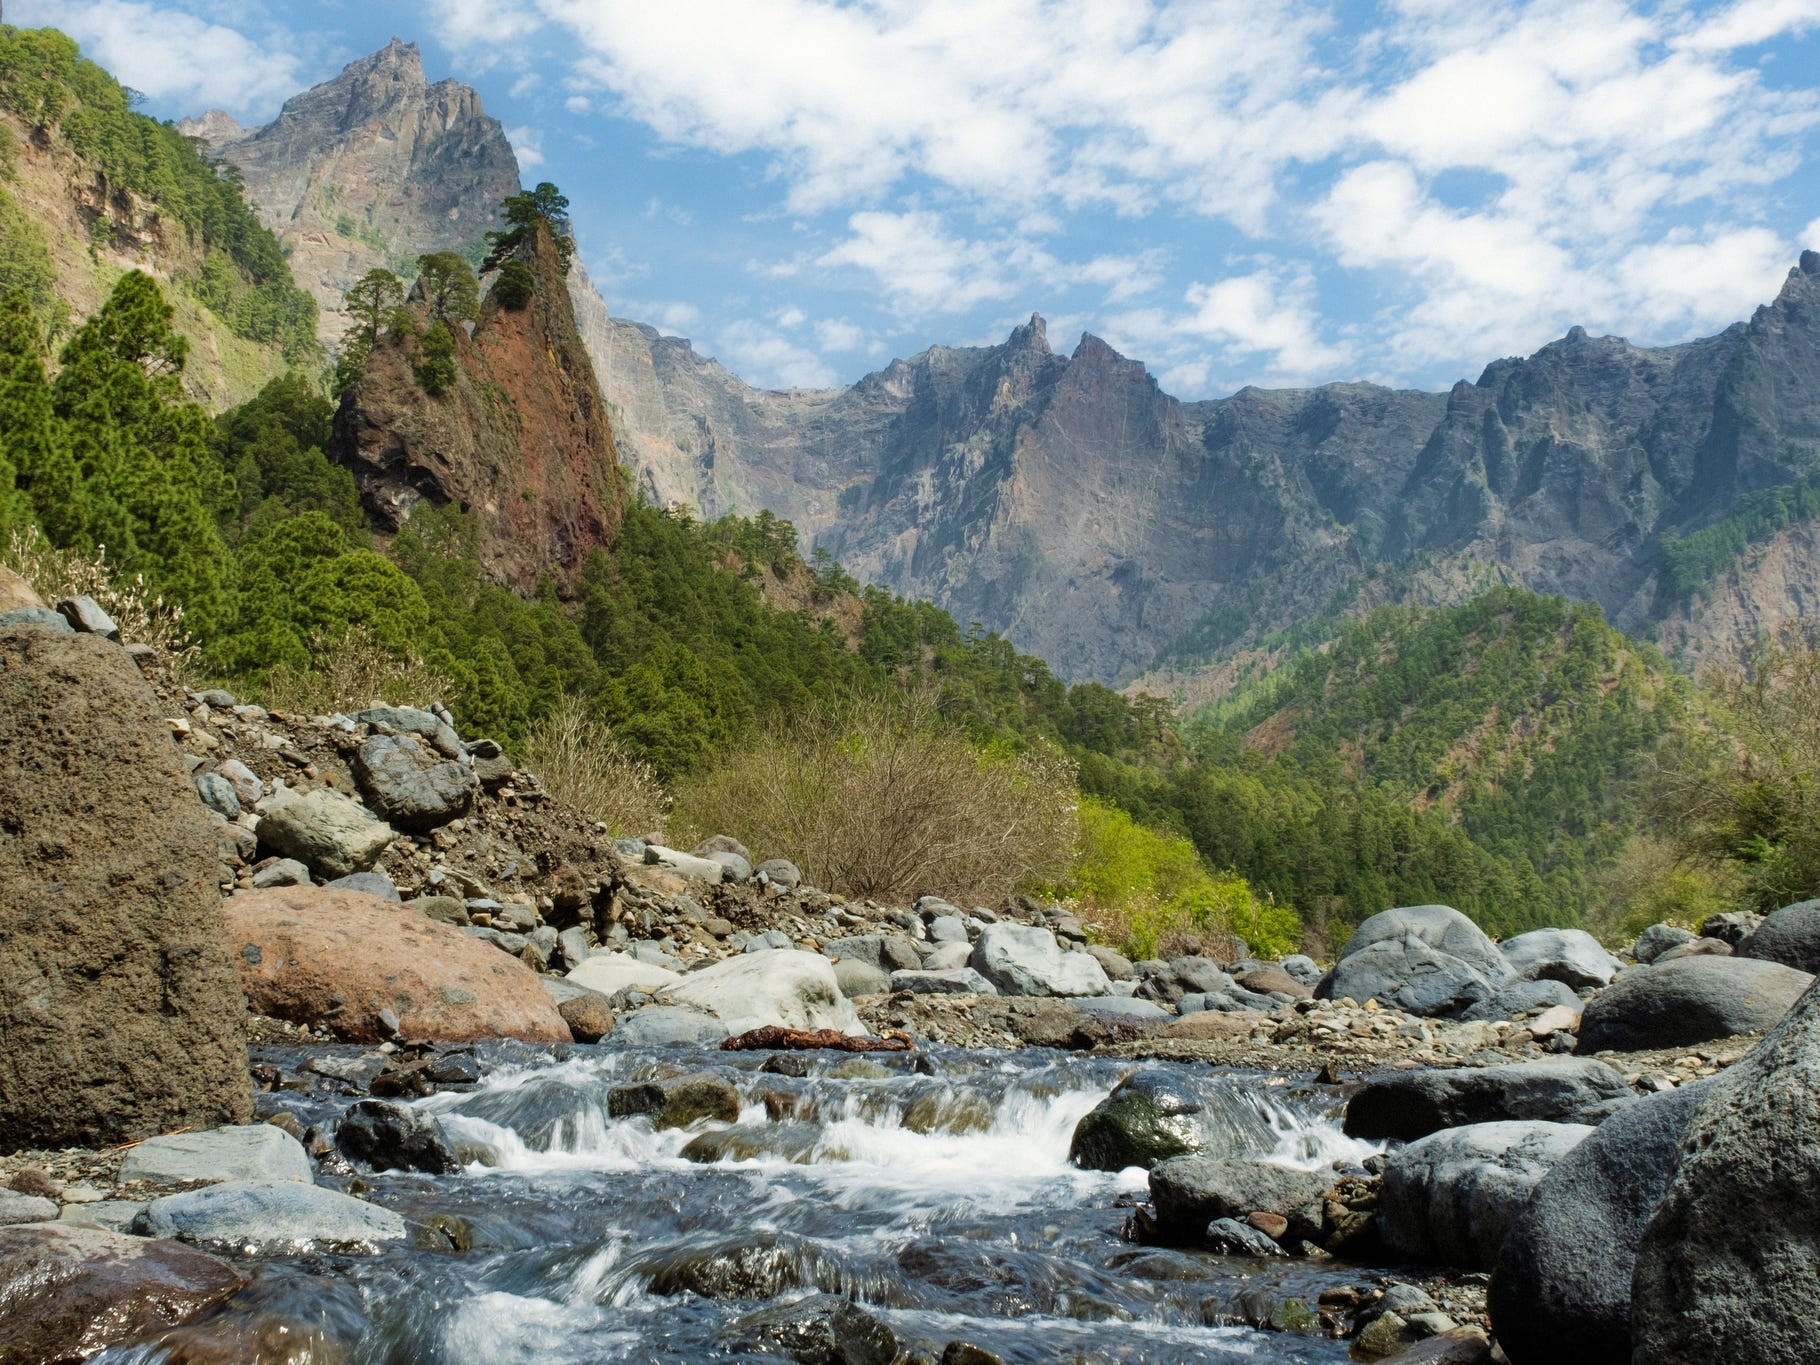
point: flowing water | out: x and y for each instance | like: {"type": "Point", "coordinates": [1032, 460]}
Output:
{"type": "Point", "coordinates": [933, 1189]}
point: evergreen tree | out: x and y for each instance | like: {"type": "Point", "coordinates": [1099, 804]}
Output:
{"type": "Point", "coordinates": [38, 476]}
{"type": "Point", "coordinates": [449, 287]}
{"type": "Point", "coordinates": [523, 212]}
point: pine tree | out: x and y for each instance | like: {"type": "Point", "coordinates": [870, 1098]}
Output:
{"type": "Point", "coordinates": [38, 477]}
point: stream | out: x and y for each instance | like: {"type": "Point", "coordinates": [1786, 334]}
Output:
{"type": "Point", "coordinates": [932, 1188]}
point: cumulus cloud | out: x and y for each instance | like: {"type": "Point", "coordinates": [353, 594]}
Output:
{"type": "Point", "coordinates": [765, 357]}
{"type": "Point", "coordinates": [172, 55]}
{"type": "Point", "coordinates": [527, 142]}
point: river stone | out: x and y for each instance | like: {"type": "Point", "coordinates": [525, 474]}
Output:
{"type": "Point", "coordinates": [952, 981]}
{"type": "Point", "coordinates": [395, 1137]}
{"type": "Point", "coordinates": [1268, 980]}
{"type": "Point", "coordinates": [1423, 959]}
{"type": "Point", "coordinates": [781, 871]}
{"type": "Point", "coordinates": [1452, 1197]}
{"type": "Point", "coordinates": [1190, 1192]}
{"type": "Point", "coordinates": [1229, 1237]}
{"type": "Point", "coordinates": [257, 1151]}
{"type": "Point", "coordinates": [1025, 959]}
{"type": "Point", "coordinates": [676, 1103]}
{"type": "Point", "coordinates": [667, 1026]}
{"type": "Point", "coordinates": [1657, 940]}
{"type": "Point", "coordinates": [67, 1292]}
{"type": "Point", "coordinates": [610, 973]}
{"type": "Point", "coordinates": [823, 1329]}
{"type": "Point", "coordinates": [1790, 936]}
{"type": "Point", "coordinates": [1123, 1007]}
{"type": "Point", "coordinates": [1149, 1117]}
{"type": "Point", "coordinates": [786, 987]}
{"type": "Point", "coordinates": [341, 958]}
{"type": "Point", "coordinates": [16, 1207]}
{"type": "Point", "coordinates": [1520, 997]}
{"type": "Point", "coordinates": [1407, 1105]}
{"type": "Point", "coordinates": [1734, 1247]}
{"type": "Point", "coordinates": [217, 794]}
{"type": "Point", "coordinates": [733, 867]}
{"type": "Point", "coordinates": [1114, 963]}
{"type": "Point", "coordinates": [1700, 947]}
{"type": "Point", "coordinates": [409, 785]}
{"type": "Point", "coordinates": [1561, 1293]}
{"type": "Point", "coordinates": [330, 833]}
{"type": "Point", "coordinates": [39, 620]}
{"type": "Point", "coordinates": [886, 952]}
{"type": "Point", "coordinates": [270, 1217]}
{"type": "Point", "coordinates": [1571, 956]}
{"type": "Point", "coordinates": [948, 957]}
{"type": "Point", "coordinates": [1689, 1000]}
{"type": "Point", "coordinates": [684, 864]}
{"type": "Point", "coordinates": [119, 1011]}
{"type": "Point", "coordinates": [588, 1015]}
{"type": "Point", "coordinates": [860, 978]}
{"type": "Point", "coordinates": [408, 720]}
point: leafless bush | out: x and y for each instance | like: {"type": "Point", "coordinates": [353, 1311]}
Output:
{"type": "Point", "coordinates": [878, 797]}
{"type": "Point", "coordinates": [349, 670]}
{"type": "Point", "coordinates": [584, 765]}
{"type": "Point", "coordinates": [143, 617]}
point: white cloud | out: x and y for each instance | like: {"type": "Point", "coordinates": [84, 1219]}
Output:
{"type": "Point", "coordinates": [790, 317]}
{"type": "Point", "coordinates": [578, 104]}
{"type": "Point", "coordinates": [484, 31]}
{"type": "Point", "coordinates": [837, 335]}
{"type": "Point", "coordinates": [1810, 237]}
{"type": "Point", "coordinates": [769, 359]}
{"type": "Point", "coordinates": [527, 142]}
{"type": "Point", "coordinates": [919, 264]}
{"type": "Point", "coordinates": [1750, 22]}
{"type": "Point", "coordinates": [172, 56]}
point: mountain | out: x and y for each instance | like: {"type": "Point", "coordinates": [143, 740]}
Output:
{"type": "Point", "coordinates": [372, 168]}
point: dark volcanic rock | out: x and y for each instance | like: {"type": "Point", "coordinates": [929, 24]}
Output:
{"type": "Point", "coordinates": [1424, 959]}
{"type": "Point", "coordinates": [1790, 936]}
{"type": "Point", "coordinates": [119, 1009]}
{"type": "Point", "coordinates": [820, 1330]}
{"type": "Point", "coordinates": [1190, 1192]}
{"type": "Point", "coordinates": [1412, 1104]}
{"type": "Point", "coordinates": [409, 785]}
{"type": "Point", "coordinates": [1689, 1000]}
{"type": "Point", "coordinates": [1561, 1294]}
{"type": "Point", "coordinates": [395, 1137]}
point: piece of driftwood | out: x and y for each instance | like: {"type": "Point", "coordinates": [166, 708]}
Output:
{"type": "Point", "coordinates": [772, 1036]}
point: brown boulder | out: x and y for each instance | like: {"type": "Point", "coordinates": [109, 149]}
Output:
{"type": "Point", "coordinates": [1212, 1025]}
{"type": "Point", "coordinates": [337, 958]}
{"type": "Point", "coordinates": [1264, 980]}
{"type": "Point", "coordinates": [66, 1291]}
{"type": "Point", "coordinates": [15, 592]}
{"type": "Point", "coordinates": [119, 1012]}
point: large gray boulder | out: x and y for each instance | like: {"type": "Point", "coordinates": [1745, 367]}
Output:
{"type": "Point", "coordinates": [1452, 1197]}
{"type": "Point", "coordinates": [667, 1026]}
{"type": "Point", "coordinates": [329, 833]}
{"type": "Point", "coordinates": [784, 987]}
{"type": "Point", "coordinates": [1790, 936]}
{"type": "Point", "coordinates": [1407, 1105]}
{"type": "Point", "coordinates": [1025, 959]}
{"type": "Point", "coordinates": [255, 1151]}
{"type": "Point", "coordinates": [1729, 1265]}
{"type": "Point", "coordinates": [409, 785]}
{"type": "Point", "coordinates": [1521, 997]}
{"type": "Point", "coordinates": [1657, 940]}
{"type": "Point", "coordinates": [1190, 1192]}
{"type": "Point", "coordinates": [1571, 956]}
{"type": "Point", "coordinates": [1422, 959]}
{"type": "Point", "coordinates": [1561, 1293]}
{"type": "Point", "coordinates": [946, 981]}
{"type": "Point", "coordinates": [608, 973]}
{"type": "Point", "coordinates": [408, 720]}
{"type": "Point", "coordinates": [1689, 1000]}
{"type": "Point", "coordinates": [857, 978]}
{"type": "Point", "coordinates": [269, 1217]}
{"type": "Point", "coordinates": [887, 952]}
{"type": "Point", "coordinates": [120, 1012]}
{"type": "Point", "coordinates": [1153, 1115]}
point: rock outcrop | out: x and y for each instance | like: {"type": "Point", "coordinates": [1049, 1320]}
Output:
{"type": "Point", "coordinates": [119, 1009]}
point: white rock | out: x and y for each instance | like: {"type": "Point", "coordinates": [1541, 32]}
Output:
{"type": "Point", "coordinates": [610, 972]}
{"type": "Point", "coordinates": [787, 987]}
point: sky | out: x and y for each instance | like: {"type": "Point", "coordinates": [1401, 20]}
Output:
{"type": "Point", "coordinates": [1236, 192]}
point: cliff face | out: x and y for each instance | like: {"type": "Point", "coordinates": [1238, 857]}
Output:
{"type": "Point", "coordinates": [521, 439]}
{"type": "Point", "coordinates": [370, 169]}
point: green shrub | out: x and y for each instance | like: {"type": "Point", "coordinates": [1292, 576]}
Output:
{"type": "Point", "coordinates": [515, 286]}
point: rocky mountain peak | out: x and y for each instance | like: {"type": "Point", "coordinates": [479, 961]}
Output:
{"type": "Point", "coordinates": [1810, 263]}
{"type": "Point", "coordinates": [1032, 336]}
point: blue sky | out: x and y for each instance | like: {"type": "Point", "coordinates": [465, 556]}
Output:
{"type": "Point", "coordinates": [1234, 191]}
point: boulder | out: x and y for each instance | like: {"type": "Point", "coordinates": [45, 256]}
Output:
{"type": "Point", "coordinates": [373, 883]}
{"type": "Point", "coordinates": [684, 864]}
{"type": "Point", "coordinates": [270, 1217]}
{"type": "Point", "coordinates": [1406, 1105]}
{"type": "Point", "coordinates": [39, 620]}
{"type": "Point", "coordinates": [328, 832]}
{"type": "Point", "coordinates": [953, 981]}
{"type": "Point", "coordinates": [16, 1207]}
{"type": "Point", "coordinates": [1025, 959]}
{"type": "Point", "coordinates": [609, 973]}
{"type": "Point", "coordinates": [1303, 968]}
{"type": "Point", "coordinates": [781, 871]}
{"type": "Point", "coordinates": [1114, 963]}
{"type": "Point", "coordinates": [1522, 997]}
{"type": "Point", "coordinates": [588, 1015]}
{"type": "Point", "coordinates": [1452, 1196]}
{"type": "Point", "coordinates": [1274, 980]}
{"type": "Point", "coordinates": [1423, 959]}
{"type": "Point", "coordinates": [1732, 927]}
{"type": "Point", "coordinates": [676, 1103]}
{"type": "Point", "coordinates": [217, 794]}
{"type": "Point", "coordinates": [722, 843]}
{"type": "Point", "coordinates": [1689, 1000]}
{"type": "Point", "coordinates": [860, 978]}
{"type": "Point", "coordinates": [1190, 1192]}
{"type": "Point", "coordinates": [887, 952]}
{"type": "Point", "coordinates": [1571, 956]}
{"type": "Point", "coordinates": [408, 720]}
{"type": "Point", "coordinates": [257, 1151]}
{"type": "Point", "coordinates": [786, 987]}
{"type": "Point", "coordinates": [1790, 936]}
{"type": "Point", "coordinates": [1561, 1292]}
{"type": "Point", "coordinates": [16, 594]}
{"type": "Point", "coordinates": [67, 1292]}
{"type": "Point", "coordinates": [1728, 1268]}
{"type": "Point", "coordinates": [948, 957]}
{"type": "Point", "coordinates": [823, 1329]}
{"type": "Point", "coordinates": [667, 1026]}
{"type": "Point", "coordinates": [340, 958]}
{"type": "Point", "coordinates": [1700, 947]}
{"type": "Point", "coordinates": [411, 786]}
{"type": "Point", "coordinates": [1124, 1007]}
{"type": "Point", "coordinates": [1657, 940]}
{"type": "Point", "coordinates": [948, 929]}
{"type": "Point", "coordinates": [119, 1009]}
{"type": "Point", "coordinates": [395, 1137]}
{"type": "Point", "coordinates": [1153, 1115]}
{"type": "Point", "coordinates": [733, 867]}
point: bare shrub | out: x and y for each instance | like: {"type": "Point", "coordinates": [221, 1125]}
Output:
{"type": "Point", "coordinates": [583, 764]}
{"type": "Point", "coordinates": [879, 797]}
{"type": "Point", "coordinates": [143, 617]}
{"type": "Point", "coordinates": [349, 670]}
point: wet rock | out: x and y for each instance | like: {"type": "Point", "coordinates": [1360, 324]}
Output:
{"type": "Point", "coordinates": [786, 988]}
{"type": "Point", "coordinates": [1149, 1117]}
{"type": "Point", "coordinates": [760, 1268]}
{"type": "Point", "coordinates": [1025, 959]}
{"type": "Point", "coordinates": [257, 1151]}
{"type": "Point", "coordinates": [610, 973]}
{"type": "Point", "coordinates": [67, 1292]}
{"type": "Point", "coordinates": [1571, 956]}
{"type": "Point", "coordinates": [1561, 1293]}
{"type": "Point", "coordinates": [1412, 1104]}
{"type": "Point", "coordinates": [820, 1330]}
{"type": "Point", "coordinates": [966, 1353]}
{"type": "Point", "coordinates": [332, 834]}
{"type": "Point", "coordinates": [394, 1137]}
{"type": "Point", "coordinates": [340, 959]}
{"type": "Point", "coordinates": [588, 1016]}
{"type": "Point", "coordinates": [860, 978]}
{"type": "Point", "coordinates": [1657, 940]}
{"type": "Point", "coordinates": [676, 1104]}
{"type": "Point", "coordinates": [1452, 1196]}
{"type": "Point", "coordinates": [1190, 1192]}
{"type": "Point", "coordinates": [1229, 1237]}
{"type": "Point", "coordinates": [119, 1012]}
{"type": "Point", "coordinates": [957, 981]}
{"type": "Point", "coordinates": [797, 1143]}
{"type": "Point", "coordinates": [1729, 1264]}
{"type": "Point", "coordinates": [1426, 960]}
{"type": "Point", "coordinates": [1790, 936]}
{"type": "Point", "coordinates": [667, 1026]}
{"type": "Point", "coordinates": [270, 1217]}
{"type": "Point", "coordinates": [1687, 1001]}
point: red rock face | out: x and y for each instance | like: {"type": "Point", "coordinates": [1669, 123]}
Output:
{"type": "Point", "coordinates": [337, 958]}
{"type": "Point", "coordinates": [521, 440]}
